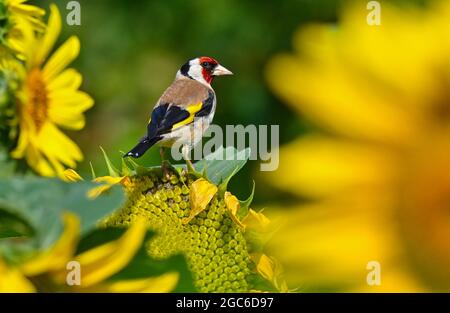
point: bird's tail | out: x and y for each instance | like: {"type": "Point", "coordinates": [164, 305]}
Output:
{"type": "Point", "coordinates": [144, 144]}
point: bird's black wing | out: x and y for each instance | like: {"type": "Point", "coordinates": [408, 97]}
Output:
{"type": "Point", "coordinates": [167, 117]}
{"type": "Point", "coordinates": [164, 117]}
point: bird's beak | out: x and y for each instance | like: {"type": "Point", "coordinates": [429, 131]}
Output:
{"type": "Point", "coordinates": [220, 70]}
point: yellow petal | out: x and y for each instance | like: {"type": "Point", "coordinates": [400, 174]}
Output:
{"type": "Point", "coordinates": [72, 176]}
{"type": "Point", "coordinates": [38, 162]}
{"type": "Point", "coordinates": [25, 136]}
{"type": "Point", "coordinates": [66, 108]}
{"type": "Point", "coordinates": [57, 166]}
{"type": "Point", "coordinates": [256, 221]}
{"type": "Point", "coordinates": [264, 266]}
{"type": "Point", "coordinates": [67, 99]}
{"type": "Point", "coordinates": [97, 191]}
{"type": "Point", "coordinates": [317, 166]}
{"type": "Point", "coordinates": [61, 58]}
{"type": "Point", "coordinates": [71, 120]}
{"type": "Point", "coordinates": [270, 269]}
{"type": "Point", "coordinates": [54, 144]}
{"type": "Point", "coordinates": [11, 280]}
{"type": "Point", "coordinates": [233, 207]}
{"type": "Point", "coordinates": [103, 261]}
{"type": "Point", "coordinates": [201, 194]}
{"type": "Point", "coordinates": [22, 144]}
{"type": "Point", "coordinates": [29, 10]}
{"type": "Point", "coordinates": [51, 34]}
{"type": "Point", "coordinates": [22, 39]}
{"type": "Point", "coordinates": [107, 182]}
{"type": "Point", "coordinates": [345, 106]}
{"type": "Point", "coordinates": [68, 79]}
{"type": "Point", "coordinates": [164, 283]}
{"type": "Point", "coordinates": [59, 254]}
{"type": "Point", "coordinates": [347, 232]}
{"type": "Point", "coordinates": [110, 180]}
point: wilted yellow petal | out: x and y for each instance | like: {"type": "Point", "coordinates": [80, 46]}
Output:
{"type": "Point", "coordinates": [71, 175]}
{"type": "Point", "coordinates": [97, 191]}
{"type": "Point", "coordinates": [106, 183]}
{"type": "Point", "coordinates": [201, 194]}
{"type": "Point", "coordinates": [57, 256]}
{"type": "Point", "coordinates": [103, 261]}
{"type": "Point", "coordinates": [271, 270]}
{"type": "Point", "coordinates": [12, 280]}
{"type": "Point", "coordinates": [264, 266]}
{"type": "Point", "coordinates": [233, 207]}
{"type": "Point", "coordinates": [109, 180]}
{"type": "Point", "coordinates": [256, 221]}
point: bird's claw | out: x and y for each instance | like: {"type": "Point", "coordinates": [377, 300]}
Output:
{"type": "Point", "coordinates": [166, 169]}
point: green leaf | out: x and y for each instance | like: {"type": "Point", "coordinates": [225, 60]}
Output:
{"type": "Point", "coordinates": [111, 169]}
{"type": "Point", "coordinates": [126, 171]}
{"type": "Point", "coordinates": [223, 164]}
{"type": "Point", "coordinates": [7, 166]}
{"type": "Point", "coordinates": [132, 164]}
{"type": "Point", "coordinates": [94, 176]}
{"type": "Point", "coordinates": [224, 184]}
{"type": "Point", "coordinates": [245, 204]}
{"type": "Point", "coordinates": [14, 226]}
{"type": "Point", "coordinates": [40, 202]}
{"type": "Point", "coordinates": [142, 265]}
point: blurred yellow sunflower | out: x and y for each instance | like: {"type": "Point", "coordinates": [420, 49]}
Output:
{"type": "Point", "coordinates": [14, 14]}
{"type": "Point", "coordinates": [377, 178]}
{"type": "Point", "coordinates": [47, 271]}
{"type": "Point", "coordinates": [49, 98]}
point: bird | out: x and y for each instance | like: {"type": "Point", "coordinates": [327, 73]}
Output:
{"type": "Point", "coordinates": [184, 111]}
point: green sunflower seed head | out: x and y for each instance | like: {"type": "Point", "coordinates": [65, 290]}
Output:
{"type": "Point", "coordinates": [214, 246]}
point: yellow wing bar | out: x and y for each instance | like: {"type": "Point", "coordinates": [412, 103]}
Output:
{"type": "Point", "coordinates": [192, 109]}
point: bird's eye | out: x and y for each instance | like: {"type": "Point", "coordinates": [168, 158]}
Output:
{"type": "Point", "coordinates": [205, 64]}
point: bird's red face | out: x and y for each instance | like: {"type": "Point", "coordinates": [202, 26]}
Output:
{"type": "Point", "coordinates": [208, 64]}
{"type": "Point", "coordinates": [203, 69]}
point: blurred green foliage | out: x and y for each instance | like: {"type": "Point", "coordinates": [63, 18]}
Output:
{"type": "Point", "coordinates": [131, 50]}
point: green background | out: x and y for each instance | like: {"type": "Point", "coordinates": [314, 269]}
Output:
{"type": "Point", "coordinates": [131, 50]}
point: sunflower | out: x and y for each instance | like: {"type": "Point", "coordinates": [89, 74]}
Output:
{"type": "Point", "coordinates": [48, 98]}
{"type": "Point", "coordinates": [14, 15]}
{"type": "Point", "coordinates": [375, 172]}
{"type": "Point", "coordinates": [221, 237]}
{"type": "Point", "coordinates": [46, 271]}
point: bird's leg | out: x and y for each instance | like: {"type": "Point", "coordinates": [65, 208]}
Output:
{"type": "Point", "coordinates": [190, 167]}
{"type": "Point", "coordinates": [185, 150]}
{"type": "Point", "coordinates": [164, 163]}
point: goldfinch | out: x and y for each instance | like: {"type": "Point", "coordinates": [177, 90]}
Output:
{"type": "Point", "coordinates": [185, 110]}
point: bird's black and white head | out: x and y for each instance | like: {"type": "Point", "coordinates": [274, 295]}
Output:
{"type": "Point", "coordinates": [203, 69]}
